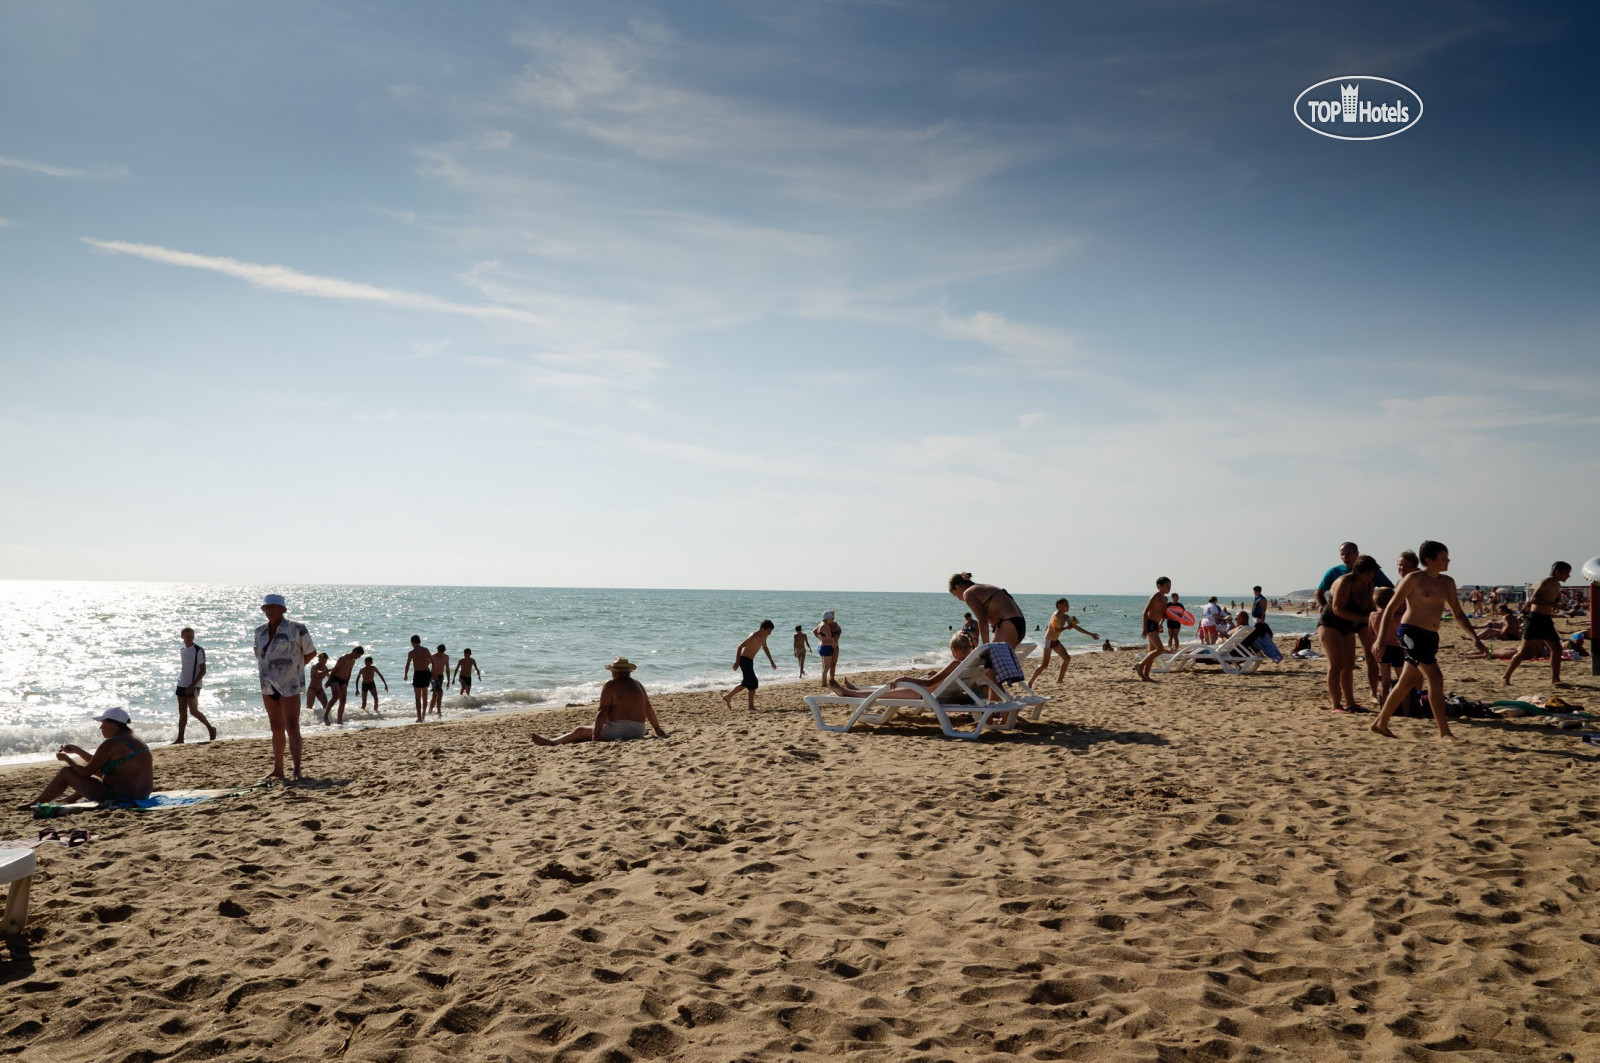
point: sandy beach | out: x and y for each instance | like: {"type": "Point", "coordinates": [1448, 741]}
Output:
{"type": "Point", "coordinates": [1204, 868]}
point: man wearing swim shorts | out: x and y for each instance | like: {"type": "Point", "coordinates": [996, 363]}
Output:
{"type": "Point", "coordinates": [1424, 596]}
{"type": "Point", "coordinates": [1541, 629]}
{"type": "Point", "coordinates": [368, 671]}
{"type": "Point", "coordinates": [439, 666]}
{"type": "Point", "coordinates": [464, 669]}
{"type": "Point", "coordinates": [419, 667]}
{"type": "Point", "coordinates": [339, 679]}
{"type": "Point", "coordinates": [1155, 614]}
{"type": "Point", "coordinates": [744, 662]}
{"type": "Point", "coordinates": [828, 633]}
{"type": "Point", "coordinates": [625, 712]}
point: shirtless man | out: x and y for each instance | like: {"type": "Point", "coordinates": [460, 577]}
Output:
{"type": "Point", "coordinates": [1155, 614]}
{"type": "Point", "coordinates": [993, 607]}
{"type": "Point", "coordinates": [828, 633]}
{"type": "Point", "coordinates": [439, 665]}
{"type": "Point", "coordinates": [464, 669]}
{"type": "Point", "coordinates": [418, 664]}
{"type": "Point", "coordinates": [1424, 596]}
{"type": "Point", "coordinates": [744, 662]}
{"type": "Point", "coordinates": [339, 680]}
{"type": "Point", "coordinates": [802, 646]}
{"type": "Point", "coordinates": [625, 711]}
{"type": "Point", "coordinates": [1541, 629]}
{"type": "Point", "coordinates": [368, 670]}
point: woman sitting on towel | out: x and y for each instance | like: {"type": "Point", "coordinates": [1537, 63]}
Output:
{"type": "Point", "coordinates": [961, 647]}
{"type": "Point", "coordinates": [121, 768]}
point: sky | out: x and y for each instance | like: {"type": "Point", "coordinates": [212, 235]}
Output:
{"type": "Point", "coordinates": [791, 295]}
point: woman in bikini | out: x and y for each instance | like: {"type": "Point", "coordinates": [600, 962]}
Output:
{"type": "Point", "coordinates": [1343, 618]}
{"type": "Point", "coordinates": [121, 767]}
{"type": "Point", "coordinates": [999, 617]}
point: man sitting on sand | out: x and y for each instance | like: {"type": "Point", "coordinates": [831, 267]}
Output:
{"type": "Point", "coordinates": [744, 662]}
{"type": "Point", "coordinates": [625, 710]}
{"type": "Point", "coordinates": [1424, 596]}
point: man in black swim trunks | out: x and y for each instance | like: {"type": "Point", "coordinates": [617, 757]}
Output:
{"type": "Point", "coordinates": [464, 669]}
{"type": "Point", "coordinates": [368, 672]}
{"type": "Point", "coordinates": [744, 662]}
{"type": "Point", "coordinates": [1173, 626]}
{"type": "Point", "coordinates": [339, 681]}
{"type": "Point", "coordinates": [1155, 614]}
{"type": "Point", "coordinates": [1541, 629]}
{"type": "Point", "coordinates": [418, 667]}
{"type": "Point", "coordinates": [1424, 596]}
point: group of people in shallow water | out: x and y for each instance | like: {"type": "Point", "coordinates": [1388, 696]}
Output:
{"type": "Point", "coordinates": [1395, 625]}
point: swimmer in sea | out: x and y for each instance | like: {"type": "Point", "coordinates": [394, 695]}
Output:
{"type": "Point", "coordinates": [1061, 620]}
{"type": "Point", "coordinates": [369, 687]}
{"type": "Point", "coordinates": [418, 662]}
{"type": "Point", "coordinates": [440, 667]}
{"type": "Point", "coordinates": [1421, 599]}
{"type": "Point", "coordinates": [464, 669]}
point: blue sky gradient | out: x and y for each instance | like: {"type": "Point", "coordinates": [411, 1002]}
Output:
{"type": "Point", "coordinates": [804, 295]}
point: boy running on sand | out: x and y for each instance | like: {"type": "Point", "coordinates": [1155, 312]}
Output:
{"type": "Point", "coordinates": [464, 669]}
{"type": "Point", "coordinates": [745, 663]}
{"type": "Point", "coordinates": [802, 646]}
{"type": "Point", "coordinates": [1155, 614]}
{"type": "Point", "coordinates": [1060, 621]}
{"type": "Point", "coordinates": [1424, 596]}
{"type": "Point", "coordinates": [368, 686]}
{"type": "Point", "coordinates": [1541, 629]}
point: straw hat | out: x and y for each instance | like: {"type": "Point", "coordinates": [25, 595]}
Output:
{"type": "Point", "coordinates": [621, 664]}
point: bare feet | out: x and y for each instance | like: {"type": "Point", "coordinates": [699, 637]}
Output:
{"type": "Point", "coordinates": [270, 776]}
{"type": "Point", "coordinates": [1448, 737]}
{"type": "Point", "coordinates": [177, 741]}
{"type": "Point", "coordinates": [1381, 728]}
{"type": "Point", "coordinates": [727, 699]}
{"type": "Point", "coordinates": [541, 740]}
{"type": "Point", "coordinates": [297, 775]}
{"type": "Point", "coordinates": [213, 731]}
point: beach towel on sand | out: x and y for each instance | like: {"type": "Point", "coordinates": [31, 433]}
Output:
{"type": "Point", "coordinates": [159, 799]}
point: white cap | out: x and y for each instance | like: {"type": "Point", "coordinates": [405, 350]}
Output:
{"type": "Point", "coordinates": [828, 615]}
{"type": "Point", "coordinates": [115, 715]}
{"type": "Point", "coordinates": [274, 599]}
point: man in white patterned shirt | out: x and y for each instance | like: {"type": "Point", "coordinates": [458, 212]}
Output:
{"type": "Point", "coordinates": [283, 649]}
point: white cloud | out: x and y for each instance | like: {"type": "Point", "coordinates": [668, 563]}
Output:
{"type": "Point", "coordinates": [98, 172]}
{"type": "Point", "coordinates": [294, 282]}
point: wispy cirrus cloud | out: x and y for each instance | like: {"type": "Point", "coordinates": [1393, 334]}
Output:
{"type": "Point", "coordinates": [295, 282]}
{"type": "Point", "coordinates": [98, 172]}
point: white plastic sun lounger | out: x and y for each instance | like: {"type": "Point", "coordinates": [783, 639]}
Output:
{"type": "Point", "coordinates": [968, 682]}
{"type": "Point", "coordinates": [16, 870]}
{"type": "Point", "coordinates": [1229, 655]}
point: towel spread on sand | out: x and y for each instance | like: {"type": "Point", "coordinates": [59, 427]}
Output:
{"type": "Point", "coordinates": [159, 799]}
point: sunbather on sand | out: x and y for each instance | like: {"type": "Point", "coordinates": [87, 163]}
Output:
{"type": "Point", "coordinates": [625, 712]}
{"type": "Point", "coordinates": [961, 647]}
{"type": "Point", "coordinates": [121, 767]}
{"type": "Point", "coordinates": [1423, 597]}
{"type": "Point", "coordinates": [998, 614]}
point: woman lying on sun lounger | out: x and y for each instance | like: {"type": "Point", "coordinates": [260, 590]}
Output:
{"type": "Point", "coordinates": [121, 767]}
{"type": "Point", "coordinates": [961, 646]}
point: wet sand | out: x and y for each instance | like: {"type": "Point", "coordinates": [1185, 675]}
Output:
{"type": "Point", "coordinates": [1204, 868]}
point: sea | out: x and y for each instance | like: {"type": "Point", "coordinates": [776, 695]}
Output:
{"type": "Point", "coordinates": [71, 649]}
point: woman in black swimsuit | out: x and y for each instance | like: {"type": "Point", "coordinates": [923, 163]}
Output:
{"type": "Point", "coordinates": [121, 767]}
{"type": "Point", "coordinates": [1349, 606]}
{"type": "Point", "coordinates": [999, 617]}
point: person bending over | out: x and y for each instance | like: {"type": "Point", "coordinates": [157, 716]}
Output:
{"type": "Point", "coordinates": [744, 662]}
{"type": "Point", "coordinates": [121, 767]}
{"type": "Point", "coordinates": [993, 607]}
{"type": "Point", "coordinates": [625, 712]}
